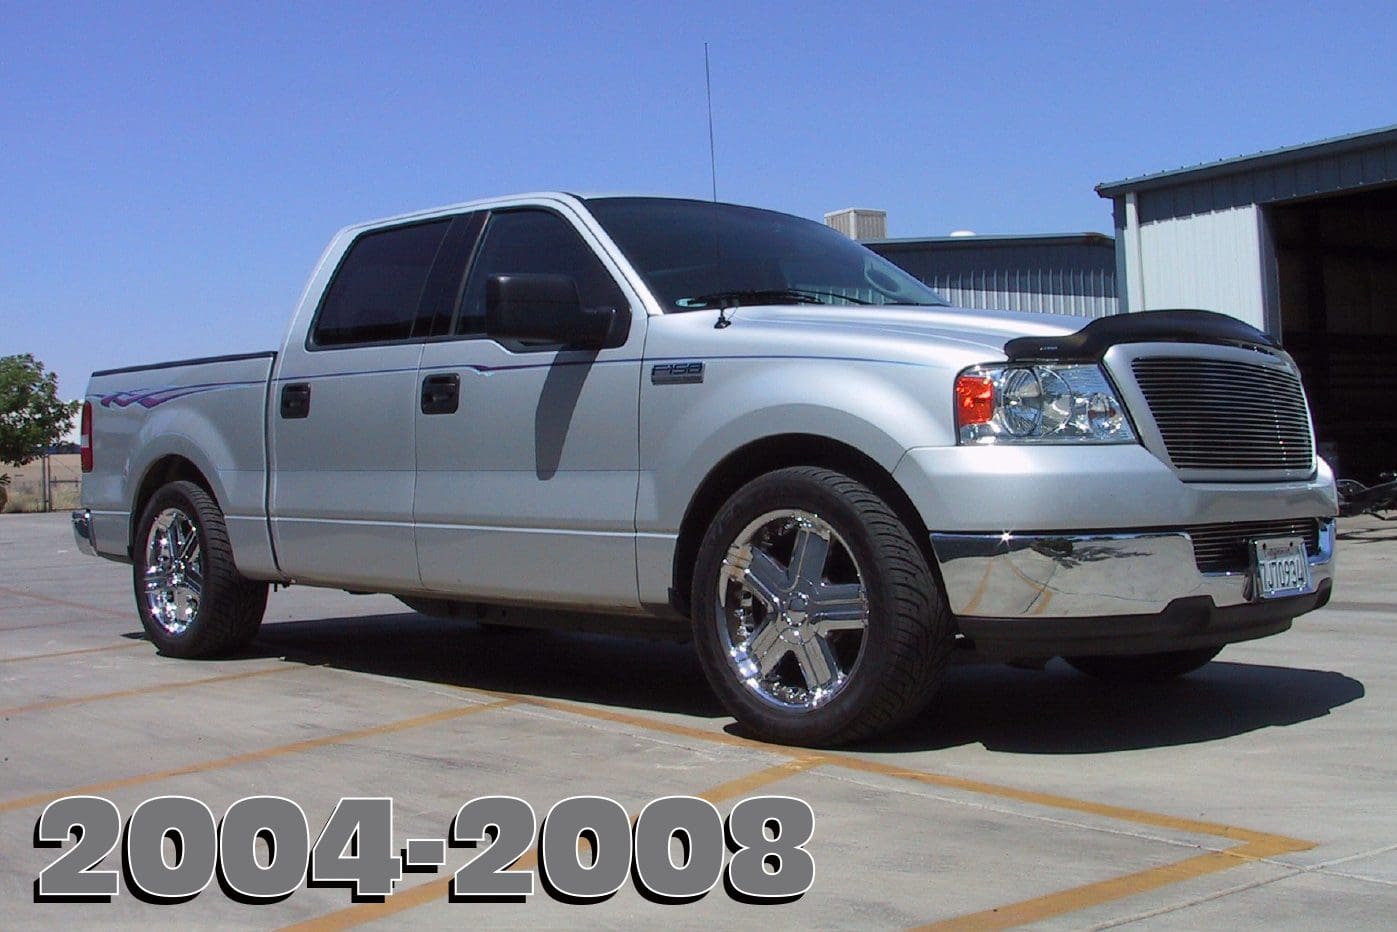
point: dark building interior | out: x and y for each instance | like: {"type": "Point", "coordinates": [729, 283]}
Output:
{"type": "Point", "coordinates": [1336, 265]}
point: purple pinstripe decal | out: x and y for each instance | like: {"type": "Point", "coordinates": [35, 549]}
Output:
{"type": "Point", "coordinates": [154, 397]}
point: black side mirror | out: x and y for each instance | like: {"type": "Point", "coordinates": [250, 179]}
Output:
{"type": "Point", "coordinates": [544, 309]}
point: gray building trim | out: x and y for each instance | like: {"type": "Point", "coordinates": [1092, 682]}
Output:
{"type": "Point", "coordinates": [976, 241]}
{"type": "Point", "coordinates": [1314, 169]}
{"type": "Point", "coordinates": [1122, 293]}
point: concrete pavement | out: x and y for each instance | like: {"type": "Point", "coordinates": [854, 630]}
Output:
{"type": "Point", "coordinates": [1256, 792]}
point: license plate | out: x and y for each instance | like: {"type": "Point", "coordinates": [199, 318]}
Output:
{"type": "Point", "coordinates": [1280, 567]}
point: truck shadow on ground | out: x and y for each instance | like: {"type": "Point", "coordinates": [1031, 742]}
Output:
{"type": "Point", "coordinates": [1384, 533]}
{"type": "Point", "coordinates": [630, 673]}
{"type": "Point", "coordinates": [1053, 711]}
{"type": "Point", "coordinates": [1060, 711]}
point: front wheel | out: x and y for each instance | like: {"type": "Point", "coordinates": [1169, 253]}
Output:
{"type": "Point", "coordinates": [192, 600]}
{"type": "Point", "coordinates": [816, 617]}
{"type": "Point", "coordinates": [1145, 668]}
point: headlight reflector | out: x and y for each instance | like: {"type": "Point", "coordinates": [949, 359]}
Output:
{"type": "Point", "coordinates": [1039, 404]}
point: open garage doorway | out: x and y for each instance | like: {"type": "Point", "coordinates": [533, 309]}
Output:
{"type": "Point", "coordinates": [1336, 292]}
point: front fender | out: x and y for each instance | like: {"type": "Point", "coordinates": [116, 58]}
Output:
{"type": "Point", "coordinates": [881, 409]}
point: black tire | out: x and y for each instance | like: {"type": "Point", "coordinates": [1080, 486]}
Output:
{"type": "Point", "coordinates": [227, 609]}
{"type": "Point", "coordinates": [897, 656]}
{"type": "Point", "coordinates": [1144, 668]}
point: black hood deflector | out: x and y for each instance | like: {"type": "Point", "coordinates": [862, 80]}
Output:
{"type": "Point", "coordinates": [1091, 342]}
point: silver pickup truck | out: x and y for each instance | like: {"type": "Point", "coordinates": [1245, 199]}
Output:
{"type": "Point", "coordinates": [554, 409]}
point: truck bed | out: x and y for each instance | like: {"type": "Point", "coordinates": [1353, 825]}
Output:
{"type": "Point", "coordinates": [150, 422]}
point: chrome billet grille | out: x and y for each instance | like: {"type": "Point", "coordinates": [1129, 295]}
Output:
{"type": "Point", "coordinates": [1218, 414]}
{"type": "Point", "coordinates": [1225, 548]}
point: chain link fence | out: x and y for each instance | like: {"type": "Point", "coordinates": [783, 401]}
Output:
{"type": "Point", "coordinates": [52, 482]}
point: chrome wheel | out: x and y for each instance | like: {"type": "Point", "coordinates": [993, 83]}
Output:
{"type": "Point", "coordinates": [792, 609]}
{"type": "Point", "coordinates": [174, 571]}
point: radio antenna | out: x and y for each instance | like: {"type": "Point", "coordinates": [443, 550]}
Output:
{"type": "Point", "coordinates": [712, 151]}
{"type": "Point", "coordinates": [724, 312]}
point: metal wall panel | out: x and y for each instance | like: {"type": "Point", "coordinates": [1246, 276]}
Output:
{"type": "Point", "coordinates": [1055, 275]}
{"type": "Point", "coordinates": [1330, 166]}
{"type": "Point", "coordinates": [1200, 237]}
{"type": "Point", "coordinates": [1209, 261]}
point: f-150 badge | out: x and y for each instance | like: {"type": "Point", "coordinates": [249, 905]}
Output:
{"type": "Point", "coordinates": [676, 373]}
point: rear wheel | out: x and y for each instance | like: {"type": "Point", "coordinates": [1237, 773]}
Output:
{"type": "Point", "coordinates": [192, 600]}
{"type": "Point", "coordinates": [815, 614]}
{"type": "Point", "coordinates": [1145, 668]}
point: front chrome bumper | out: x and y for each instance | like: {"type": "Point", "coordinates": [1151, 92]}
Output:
{"type": "Point", "coordinates": [1091, 575]}
{"type": "Point", "coordinates": [82, 532]}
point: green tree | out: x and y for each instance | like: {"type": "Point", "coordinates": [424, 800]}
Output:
{"type": "Point", "coordinates": [31, 416]}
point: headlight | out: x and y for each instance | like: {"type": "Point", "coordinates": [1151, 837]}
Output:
{"type": "Point", "coordinates": [1039, 404]}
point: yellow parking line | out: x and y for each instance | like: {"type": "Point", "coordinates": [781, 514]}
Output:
{"type": "Point", "coordinates": [1138, 816]}
{"type": "Point", "coordinates": [852, 762]}
{"type": "Point", "coordinates": [437, 890]}
{"type": "Point", "coordinates": [979, 592]}
{"type": "Point", "coordinates": [640, 721]}
{"type": "Point", "coordinates": [20, 593]}
{"type": "Point", "coordinates": [69, 653]}
{"type": "Point", "coordinates": [295, 747]}
{"type": "Point", "coordinates": [145, 690]}
{"type": "Point", "coordinates": [754, 781]}
{"type": "Point", "coordinates": [1094, 894]}
{"type": "Point", "coordinates": [1255, 845]}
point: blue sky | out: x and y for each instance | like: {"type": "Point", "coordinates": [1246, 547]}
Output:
{"type": "Point", "coordinates": [170, 172]}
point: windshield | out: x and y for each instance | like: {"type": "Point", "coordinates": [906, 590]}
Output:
{"type": "Point", "coordinates": [698, 254]}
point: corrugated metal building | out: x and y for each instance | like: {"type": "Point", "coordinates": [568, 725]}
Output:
{"type": "Point", "coordinates": [1301, 242]}
{"type": "Point", "coordinates": [1071, 273]}
{"type": "Point", "coordinates": [859, 222]}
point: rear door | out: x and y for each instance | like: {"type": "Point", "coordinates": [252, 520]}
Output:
{"type": "Point", "coordinates": [526, 487]}
{"type": "Point", "coordinates": [343, 416]}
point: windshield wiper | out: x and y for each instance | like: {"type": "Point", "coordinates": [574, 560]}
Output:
{"type": "Point", "coordinates": [765, 296]}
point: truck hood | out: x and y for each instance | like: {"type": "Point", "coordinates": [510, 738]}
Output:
{"type": "Point", "coordinates": [982, 332]}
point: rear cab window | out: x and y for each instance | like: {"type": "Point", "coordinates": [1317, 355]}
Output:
{"type": "Point", "coordinates": [376, 294]}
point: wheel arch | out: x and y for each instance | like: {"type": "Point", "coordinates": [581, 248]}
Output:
{"type": "Point", "coordinates": [769, 454]}
{"type": "Point", "coordinates": [169, 468]}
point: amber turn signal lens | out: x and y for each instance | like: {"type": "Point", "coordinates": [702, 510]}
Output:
{"type": "Point", "coordinates": [974, 399]}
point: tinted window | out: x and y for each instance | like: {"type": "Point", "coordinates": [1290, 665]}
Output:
{"type": "Point", "coordinates": [698, 254]}
{"type": "Point", "coordinates": [534, 241]}
{"type": "Point", "coordinates": [376, 292]}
